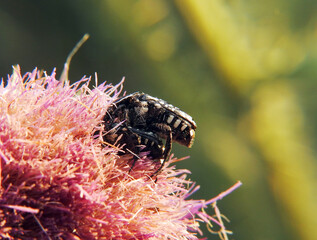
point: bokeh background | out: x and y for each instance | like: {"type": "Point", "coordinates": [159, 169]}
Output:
{"type": "Point", "coordinates": [245, 70]}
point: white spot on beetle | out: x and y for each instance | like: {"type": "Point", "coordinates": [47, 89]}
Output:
{"type": "Point", "coordinates": [176, 123]}
{"type": "Point", "coordinates": [184, 126]}
{"type": "Point", "coordinates": [157, 105]}
{"type": "Point", "coordinates": [170, 119]}
{"type": "Point", "coordinates": [192, 133]}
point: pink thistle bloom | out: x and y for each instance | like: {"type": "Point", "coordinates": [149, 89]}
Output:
{"type": "Point", "coordinates": [59, 182]}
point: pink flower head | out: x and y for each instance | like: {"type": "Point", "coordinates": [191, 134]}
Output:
{"type": "Point", "coordinates": [58, 181]}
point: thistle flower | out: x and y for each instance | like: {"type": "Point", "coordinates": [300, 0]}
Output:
{"type": "Point", "coordinates": [59, 182]}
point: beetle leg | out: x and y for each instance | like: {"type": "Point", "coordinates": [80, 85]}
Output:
{"type": "Point", "coordinates": [167, 151]}
{"type": "Point", "coordinates": [135, 159]}
{"type": "Point", "coordinates": [168, 146]}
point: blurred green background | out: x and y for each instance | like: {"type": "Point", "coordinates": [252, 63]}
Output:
{"type": "Point", "coordinates": [245, 70]}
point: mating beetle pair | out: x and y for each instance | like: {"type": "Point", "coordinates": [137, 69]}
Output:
{"type": "Point", "coordinates": [140, 122]}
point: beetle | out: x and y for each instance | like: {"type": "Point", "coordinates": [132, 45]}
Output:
{"type": "Point", "coordinates": [139, 119]}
